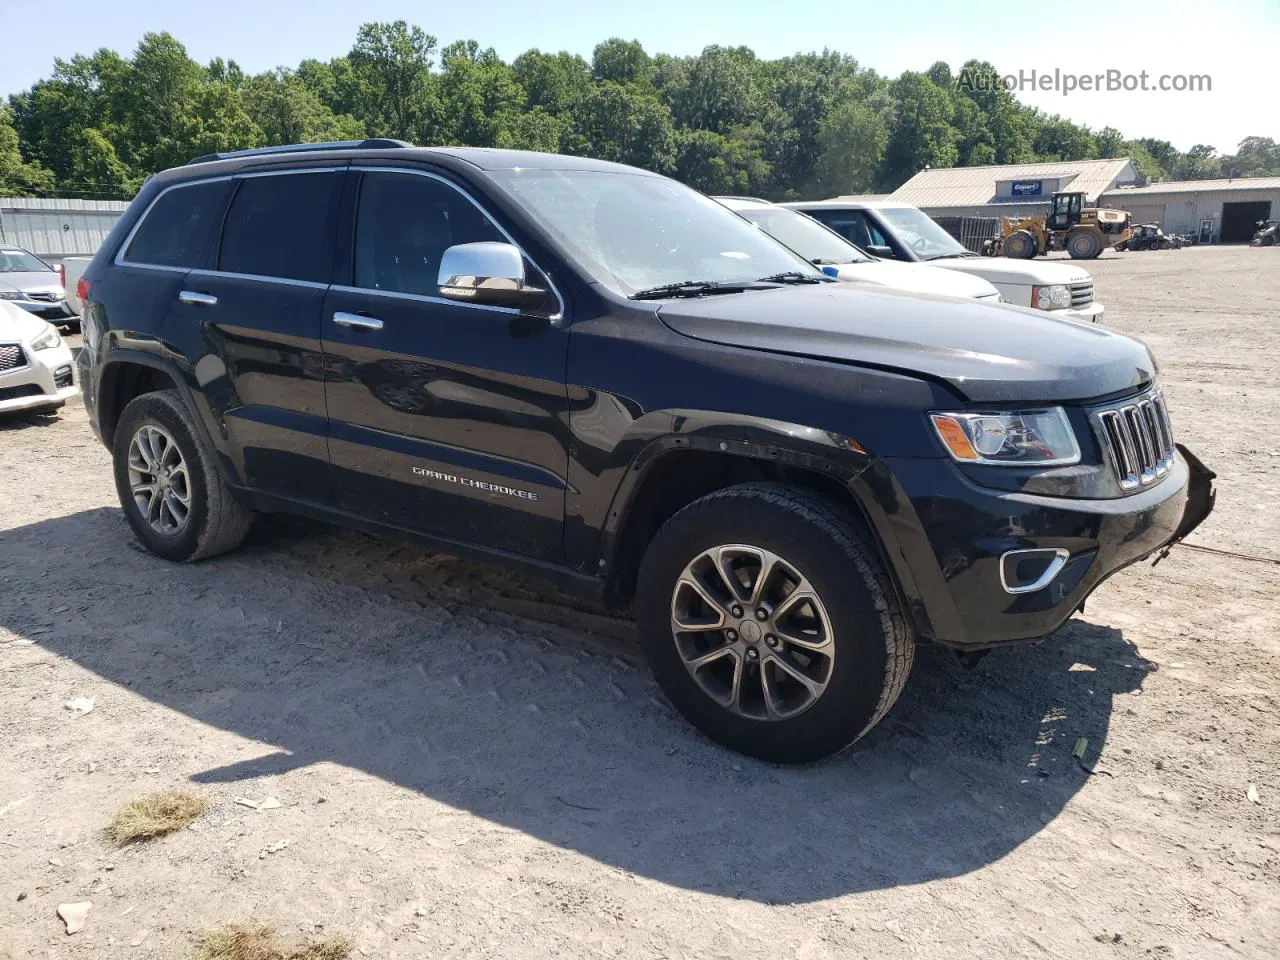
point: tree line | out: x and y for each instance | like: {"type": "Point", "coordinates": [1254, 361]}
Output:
{"type": "Point", "coordinates": [724, 121]}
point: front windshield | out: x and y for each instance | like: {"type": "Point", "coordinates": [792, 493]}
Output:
{"type": "Point", "coordinates": [925, 238]}
{"type": "Point", "coordinates": [19, 261]}
{"type": "Point", "coordinates": [635, 232]}
{"type": "Point", "coordinates": [804, 235]}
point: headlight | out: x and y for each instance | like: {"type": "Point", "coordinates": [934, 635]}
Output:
{"type": "Point", "coordinates": [1028, 438]}
{"type": "Point", "coordinates": [10, 295]}
{"type": "Point", "coordinates": [1053, 297]}
{"type": "Point", "coordinates": [47, 340]}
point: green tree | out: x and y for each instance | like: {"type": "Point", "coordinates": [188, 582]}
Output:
{"type": "Point", "coordinates": [287, 110]}
{"type": "Point", "coordinates": [553, 81]}
{"type": "Point", "coordinates": [478, 93]}
{"type": "Point", "coordinates": [851, 144]}
{"type": "Point", "coordinates": [17, 176]}
{"type": "Point", "coordinates": [721, 90]}
{"type": "Point", "coordinates": [392, 64]}
{"type": "Point", "coordinates": [625, 124]}
{"type": "Point", "coordinates": [620, 61]}
{"type": "Point", "coordinates": [923, 136]}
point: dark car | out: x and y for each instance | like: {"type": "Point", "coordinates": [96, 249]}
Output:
{"type": "Point", "coordinates": [597, 374]}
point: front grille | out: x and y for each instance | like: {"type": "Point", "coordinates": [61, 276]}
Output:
{"type": "Point", "coordinates": [43, 296]}
{"type": "Point", "coordinates": [13, 393]}
{"type": "Point", "coordinates": [11, 357]}
{"type": "Point", "coordinates": [1138, 439]}
{"type": "Point", "coordinates": [1081, 293]}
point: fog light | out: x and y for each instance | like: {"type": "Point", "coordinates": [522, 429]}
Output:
{"type": "Point", "coordinates": [1026, 571]}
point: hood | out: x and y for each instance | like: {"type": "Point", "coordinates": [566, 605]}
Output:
{"type": "Point", "coordinates": [984, 352]}
{"type": "Point", "coordinates": [917, 278]}
{"type": "Point", "coordinates": [1005, 270]}
{"type": "Point", "coordinates": [16, 325]}
{"type": "Point", "coordinates": [34, 281]}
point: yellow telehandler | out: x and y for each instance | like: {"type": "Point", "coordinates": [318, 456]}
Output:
{"type": "Point", "coordinates": [1084, 232]}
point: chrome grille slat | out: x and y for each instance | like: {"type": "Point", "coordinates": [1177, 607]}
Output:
{"type": "Point", "coordinates": [1138, 439]}
{"type": "Point", "coordinates": [11, 357]}
{"type": "Point", "coordinates": [1081, 293]}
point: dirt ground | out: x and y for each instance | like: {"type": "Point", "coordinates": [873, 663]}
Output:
{"type": "Point", "coordinates": [466, 768]}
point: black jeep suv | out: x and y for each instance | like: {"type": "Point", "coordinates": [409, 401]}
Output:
{"type": "Point", "coordinates": [599, 374]}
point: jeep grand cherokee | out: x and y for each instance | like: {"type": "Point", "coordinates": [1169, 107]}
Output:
{"type": "Point", "coordinates": [598, 374]}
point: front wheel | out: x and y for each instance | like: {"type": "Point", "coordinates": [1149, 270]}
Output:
{"type": "Point", "coordinates": [1083, 245]}
{"type": "Point", "coordinates": [771, 624]}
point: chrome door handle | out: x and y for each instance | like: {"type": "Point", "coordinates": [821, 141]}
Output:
{"type": "Point", "coordinates": [356, 320]}
{"type": "Point", "coordinates": [197, 298]}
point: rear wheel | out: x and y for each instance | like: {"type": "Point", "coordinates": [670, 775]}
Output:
{"type": "Point", "coordinates": [771, 624]}
{"type": "Point", "coordinates": [1083, 245]}
{"type": "Point", "coordinates": [169, 487]}
{"type": "Point", "coordinates": [1020, 245]}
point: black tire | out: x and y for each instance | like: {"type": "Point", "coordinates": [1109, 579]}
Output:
{"type": "Point", "coordinates": [1020, 245]}
{"type": "Point", "coordinates": [217, 521]}
{"type": "Point", "coordinates": [1083, 245]}
{"type": "Point", "coordinates": [873, 642]}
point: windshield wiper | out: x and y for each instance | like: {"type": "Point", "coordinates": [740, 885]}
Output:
{"type": "Point", "coordinates": [793, 276]}
{"type": "Point", "coordinates": [690, 288]}
{"type": "Point", "coordinates": [953, 256]}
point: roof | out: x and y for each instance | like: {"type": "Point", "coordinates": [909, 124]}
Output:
{"type": "Point", "coordinates": [74, 206]}
{"type": "Point", "coordinates": [867, 202]}
{"type": "Point", "coordinates": [1197, 186]}
{"type": "Point", "coordinates": [976, 186]}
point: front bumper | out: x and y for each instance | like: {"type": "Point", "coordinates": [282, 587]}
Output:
{"type": "Point", "coordinates": [951, 535]}
{"type": "Point", "coordinates": [46, 379]}
{"type": "Point", "coordinates": [1089, 313]}
{"type": "Point", "coordinates": [55, 311]}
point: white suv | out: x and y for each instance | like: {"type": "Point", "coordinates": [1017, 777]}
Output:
{"type": "Point", "coordinates": [899, 231]}
{"type": "Point", "coordinates": [839, 258]}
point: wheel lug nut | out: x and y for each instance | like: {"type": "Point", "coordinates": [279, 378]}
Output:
{"type": "Point", "coordinates": [731, 635]}
{"type": "Point", "coordinates": [753, 653]}
{"type": "Point", "coordinates": [762, 614]}
{"type": "Point", "coordinates": [771, 640]}
{"type": "Point", "coordinates": [736, 610]}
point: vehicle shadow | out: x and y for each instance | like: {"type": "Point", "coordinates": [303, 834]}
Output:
{"type": "Point", "coordinates": [309, 641]}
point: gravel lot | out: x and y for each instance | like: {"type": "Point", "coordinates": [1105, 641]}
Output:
{"type": "Point", "coordinates": [469, 768]}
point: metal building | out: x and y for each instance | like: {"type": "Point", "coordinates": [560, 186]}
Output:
{"type": "Point", "coordinates": [54, 229]}
{"type": "Point", "coordinates": [1022, 189]}
{"type": "Point", "coordinates": [1210, 211]}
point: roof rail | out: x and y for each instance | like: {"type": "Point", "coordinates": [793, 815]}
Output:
{"type": "Point", "coordinates": [374, 143]}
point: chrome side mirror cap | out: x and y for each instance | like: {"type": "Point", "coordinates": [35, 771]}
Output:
{"type": "Point", "coordinates": [487, 273]}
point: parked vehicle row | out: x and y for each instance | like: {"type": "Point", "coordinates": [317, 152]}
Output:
{"type": "Point", "coordinates": [898, 231]}
{"type": "Point", "coordinates": [599, 374]}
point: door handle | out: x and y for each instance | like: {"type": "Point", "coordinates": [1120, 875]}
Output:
{"type": "Point", "coordinates": [197, 298]}
{"type": "Point", "coordinates": [356, 320]}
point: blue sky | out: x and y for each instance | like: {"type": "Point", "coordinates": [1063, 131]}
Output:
{"type": "Point", "coordinates": [1234, 41]}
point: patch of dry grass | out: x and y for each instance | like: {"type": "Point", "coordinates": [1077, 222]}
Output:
{"type": "Point", "coordinates": [262, 943]}
{"type": "Point", "coordinates": [154, 816]}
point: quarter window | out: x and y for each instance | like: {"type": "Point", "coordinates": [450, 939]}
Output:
{"type": "Point", "coordinates": [179, 228]}
{"type": "Point", "coordinates": [404, 225]}
{"type": "Point", "coordinates": [278, 226]}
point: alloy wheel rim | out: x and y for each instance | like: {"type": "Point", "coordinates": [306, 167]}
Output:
{"type": "Point", "coordinates": [158, 480]}
{"type": "Point", "coordinates": [752, 632]}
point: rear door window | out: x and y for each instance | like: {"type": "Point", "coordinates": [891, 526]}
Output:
{"type": "Point", "coordinates": [853, 226]}
{"type": "Point", "coordinates": [404, 224]}
{"type": "Point", "coordinates": [179, 229]}
{"type": "Point", "coordinates": [281, 226]}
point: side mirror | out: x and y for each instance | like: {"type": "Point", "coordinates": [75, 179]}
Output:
{"type": "Point", "coordinates": [884, 253]}
{"type": "Point", "coordinates": [487, 273]}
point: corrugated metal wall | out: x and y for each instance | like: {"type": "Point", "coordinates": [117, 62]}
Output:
{"type": "Point", "coordinates": [58, 228]}
{"type": "Point", "coordinates": [1182, 211]}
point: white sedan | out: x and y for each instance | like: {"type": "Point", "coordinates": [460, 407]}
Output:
{"type": "Point", "coordinates": [840, 258]}
{"type": "Point", "coordinates": [36, 368]}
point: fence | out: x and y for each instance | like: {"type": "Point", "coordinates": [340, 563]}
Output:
{"type": "Point", "coordinates": [972, 232]}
